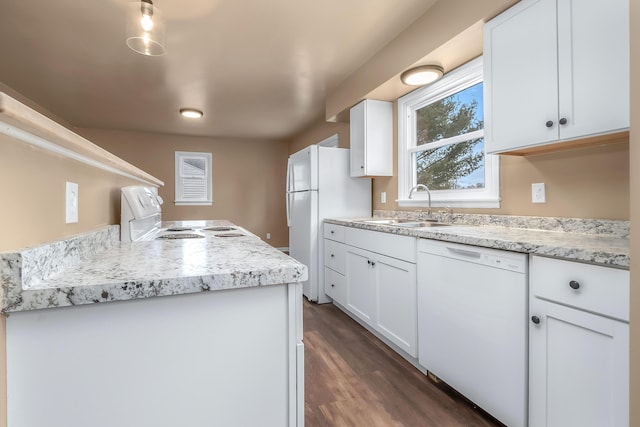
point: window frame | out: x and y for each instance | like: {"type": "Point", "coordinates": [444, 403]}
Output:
{"type": "Point", "coordinates": [179, 187]}
{"type": "Point", "coordinates": [457, 80]}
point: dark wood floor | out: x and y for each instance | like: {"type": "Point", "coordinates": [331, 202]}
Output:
{"type": "Point", "coordinates": [354, 379]}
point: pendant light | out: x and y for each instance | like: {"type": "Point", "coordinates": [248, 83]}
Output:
{"type": "Point", "coordinates": [145, 28]}
{"type": "Point", "coordinates": [422, 75]}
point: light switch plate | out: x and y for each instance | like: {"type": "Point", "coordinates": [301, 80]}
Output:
{"type": "Point", "coordinates": [538, 193]}
{"type": "Point", "coordinates": [71, 203]}
{"type": "Point", "coordinates": [383, 197]}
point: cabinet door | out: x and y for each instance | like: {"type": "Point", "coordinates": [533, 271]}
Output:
{"type": "Point", "coordinates": [396, 313]}
{"type": "Point", "coordinates": [593, 66]}
{"type": "Point", "coordinates": [371, 138]}
{"type": "Point", "coordinates": [521, 76]}
{"type": "Point", "coordinates": [357, 118]}
{"type": "Point", "coordinates": [361, 291]}
{"type": "Point", "coordinates": [578, 368]}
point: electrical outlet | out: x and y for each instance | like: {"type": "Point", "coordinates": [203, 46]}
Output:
{"type": "Point", "coordinates": [71, 203]}
{"type": "Point", "coordinates": [538, 194]}
{"type": "Point", "coordinates": [383, 197]}
{"type": "Point", "coordinates": [268, 236]}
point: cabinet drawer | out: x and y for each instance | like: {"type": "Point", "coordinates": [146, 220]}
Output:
{"type": "Point", "coordinates": [335, 285]}
{"type": "Point", "coordinates": [601, 290]}
{"type": "Point", "coordinates": [393, 245]}
{"type": "Point", "coordinates": [334, 232]}
{"type": "Point", "coordinates": [334, 255]}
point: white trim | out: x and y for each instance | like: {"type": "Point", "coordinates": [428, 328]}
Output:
{"type": "Point", "coordinates": [29, 138]}
{"type": "Point", "coordinates": [331, 141]}
{"type": "Point", "coordinates": [476, 134]}
{"type": "Point", "coordinates": [24, 124]}
{"type": "Point", "coordinates": [182, 203]}
{"type": "Point", "coordinates": [459, 79]}
{"type": "Point", "coordinates": [180, 200]}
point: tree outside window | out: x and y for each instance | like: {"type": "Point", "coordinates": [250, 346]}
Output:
{"type": "Point", "coordinates": [452, 166]}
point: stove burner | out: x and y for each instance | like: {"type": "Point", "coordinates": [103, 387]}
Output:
{"type": "Point", "coordinates": [219, 228]}
{"type": "Point", "coordinates": [180, 236]}
{"type": "Point", "coordinates": [179, 229]}
{"type": "Point", "coordinates": [230, 235]}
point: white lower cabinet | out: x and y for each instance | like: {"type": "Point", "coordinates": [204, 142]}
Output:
{"type": "Point", "coordinates": [361, 284]}
{"type": "Point", "coordinates": [396, 313]}
{"type": "Point", "coordinates": [378, 284]}
{"type": "Point", "coordinates": [334, 259]}
{"type": "Point", "coordinates": [381, 291]}
{"type": "Point", "coordinates": [578, 345]}
{"type": "Point", "coordinates": [335, 285]}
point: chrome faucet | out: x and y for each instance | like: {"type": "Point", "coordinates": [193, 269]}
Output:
{"type": "Point", "coordinates": [416, 188]}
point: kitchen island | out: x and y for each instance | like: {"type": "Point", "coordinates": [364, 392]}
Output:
{"type": "Point", "coordinates": [90, 341]}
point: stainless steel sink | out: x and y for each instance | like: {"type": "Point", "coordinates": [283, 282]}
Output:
{"type": "Point", "coordinates": [408, 223]}
{"type": "Point", "coordinates": [388, 221]}
{"type": "Point", "coordinates": [421, 224]}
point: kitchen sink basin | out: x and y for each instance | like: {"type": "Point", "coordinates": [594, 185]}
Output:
{"type": "Point", "coordinates": [421, 224]}
{"type": "Point", "coordinates": [408, 223]}
{"type": "Point", "coordinates": [390, 221]}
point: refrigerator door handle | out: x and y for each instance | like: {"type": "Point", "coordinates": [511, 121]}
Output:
{"type": "Point", "coordinates": [289, 175]}
{"type": "Point", "coordinates": [288, 194]}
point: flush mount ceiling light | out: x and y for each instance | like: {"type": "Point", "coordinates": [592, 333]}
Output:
{"type": "Point", "coordinates": [191, 113]}
{"type": "Point", "coordinates": [422, 75]}
{"type": "Point", "coordinates": [145, 28]}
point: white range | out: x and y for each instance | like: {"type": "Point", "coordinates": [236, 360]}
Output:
{"type": "Point", "coordinates": [141, 220]}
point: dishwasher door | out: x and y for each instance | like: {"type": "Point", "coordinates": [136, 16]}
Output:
{"type": "Point", "coordinates": [472, 324]}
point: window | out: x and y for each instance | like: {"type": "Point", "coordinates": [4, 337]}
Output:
{"type": "Point", "coordinates": [441, 143]}
{"type": "Point", "coordinates": [193, 178]}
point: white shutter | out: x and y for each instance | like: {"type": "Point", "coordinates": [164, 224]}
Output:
{"type": "Point", "coordinates": [193, 178]}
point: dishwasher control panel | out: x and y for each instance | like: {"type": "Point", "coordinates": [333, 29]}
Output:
{"type": "Point", "coordinates": [512, 261]}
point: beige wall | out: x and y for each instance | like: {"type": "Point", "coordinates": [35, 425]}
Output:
{"type": "Point", "coordinates": [248, 176]}
{"type": "Point", "coordinates": [32, 184]}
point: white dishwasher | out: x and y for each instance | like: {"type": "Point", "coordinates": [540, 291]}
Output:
{"type": "Point", "coordinates": [472, 324]}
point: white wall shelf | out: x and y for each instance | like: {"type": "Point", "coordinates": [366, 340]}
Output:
{"type": "Point", "coordinates": [27, 125]}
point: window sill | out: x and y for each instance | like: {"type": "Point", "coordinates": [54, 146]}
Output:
{"type": "Point", "coordinates": [423, 203]}
{"type": "Point", "coordinates": [201, 203]}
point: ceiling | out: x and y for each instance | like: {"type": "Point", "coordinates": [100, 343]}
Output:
{"type": "Point", "coordinates": [259, 69]}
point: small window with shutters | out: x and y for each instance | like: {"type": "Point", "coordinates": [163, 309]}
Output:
{"type": "Point", "coordinates": [193, 178]}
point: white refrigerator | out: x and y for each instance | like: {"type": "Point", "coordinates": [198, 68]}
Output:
{"type": "Point", "coordinates": [319, 186]}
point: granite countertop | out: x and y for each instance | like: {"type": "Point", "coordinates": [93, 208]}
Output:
{"type": "Point", "coordinates": [97, 267]}
{"type": "Point", "coordinates": [592, 244]}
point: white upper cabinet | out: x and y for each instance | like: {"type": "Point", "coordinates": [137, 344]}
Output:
{"type": "Point", "coordinates": [555, 70]}
{"type": "Point", "coordinates": [371, 135]}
